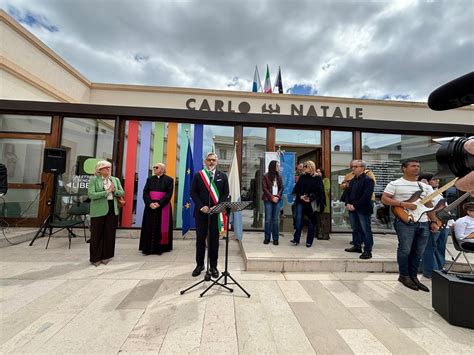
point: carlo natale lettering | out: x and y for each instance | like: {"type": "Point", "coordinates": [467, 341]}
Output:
{"type": "Point", "coordinates": [295, 110]}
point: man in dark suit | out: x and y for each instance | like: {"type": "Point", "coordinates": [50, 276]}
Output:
{"type": "Point", "coordinates": [358, 200]}
{"type": "Point", "coordinates": [208, 187]}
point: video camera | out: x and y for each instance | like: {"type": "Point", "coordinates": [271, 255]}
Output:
{"type": "Point", "coordinates": [451, 156]}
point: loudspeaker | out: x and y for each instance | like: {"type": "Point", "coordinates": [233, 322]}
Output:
{"type": "Point", "coordinates": [54, 160]}
{"type": "Point", "coordinates": [452, 298]}
{"type": "Point", "coordinates": [3, 179]}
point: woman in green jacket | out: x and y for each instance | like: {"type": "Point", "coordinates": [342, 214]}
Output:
{"type": "Point", "coordinates": [103, 190]}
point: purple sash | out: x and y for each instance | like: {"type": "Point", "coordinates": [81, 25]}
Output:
{"type": "Point", "coordinates": [165, 216]}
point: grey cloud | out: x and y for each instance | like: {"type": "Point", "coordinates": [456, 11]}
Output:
{"type": "Point", "coordinates": [372, 49]}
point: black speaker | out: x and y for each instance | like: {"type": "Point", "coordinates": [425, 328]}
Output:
{"type": "Point", "coordinates": [54, 160]}
{"type": "Point", "coordinates": [3, 179]}
{"type": "Point", "coordinates": [452, 298]}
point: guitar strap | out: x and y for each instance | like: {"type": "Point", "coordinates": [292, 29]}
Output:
{"type": "Point", "coordinates": [421, 188]}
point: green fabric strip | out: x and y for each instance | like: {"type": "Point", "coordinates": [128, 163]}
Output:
{"type": "Point", "coordinates": [183, 149]}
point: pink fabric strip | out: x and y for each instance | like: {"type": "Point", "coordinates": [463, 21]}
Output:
{"type": "Point", "coordinates": [165, 216]}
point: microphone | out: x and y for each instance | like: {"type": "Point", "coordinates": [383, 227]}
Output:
{"type": "Point", "coordinates": [457, 93]}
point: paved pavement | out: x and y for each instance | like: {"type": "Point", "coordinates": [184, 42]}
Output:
{"type": "Point", "coordinates": [54, 301]}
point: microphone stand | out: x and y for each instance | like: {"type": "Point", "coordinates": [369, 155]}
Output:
{"type": "Point", "coordinates": [207, 276]}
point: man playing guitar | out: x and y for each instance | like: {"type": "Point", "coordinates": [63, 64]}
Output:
{"type": "Point", "coordinates": [412, 237]}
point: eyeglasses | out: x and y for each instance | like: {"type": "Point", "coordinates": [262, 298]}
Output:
{"type": "Point", "coordinates": [156, 167]}
{"type": "Point", "coordinates": [356, 166]}
{"type": "Point", "coordinates": [211, 159]}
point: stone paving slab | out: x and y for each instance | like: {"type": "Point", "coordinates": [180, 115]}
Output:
{"type": "Point", "coordinates": [55, 301]}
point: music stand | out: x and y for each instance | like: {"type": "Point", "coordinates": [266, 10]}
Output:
{"type": "Point", "coordinates": [227, 207]}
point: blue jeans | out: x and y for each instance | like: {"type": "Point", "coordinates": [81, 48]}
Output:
{"type": "Point", "coordinates": [440, 249]}
{"type": "Point", "coordinates": [361, 230]}
{"type": "Point", "coordinates": [301, 211]}
{"type": "Point", "coordinates": [271, 219]}
{"type": "Point", "coordinates": [434, 255]}
{"type": "Point", "coordinates": [412, 239]}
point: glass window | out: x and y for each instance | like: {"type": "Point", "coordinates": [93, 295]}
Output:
{"type": "Point", "coordinates": [253, 157]}
{"type": "Point", "coordinates": [20, 203]}
{"type": "Point", "coordinates": [82, 139]}
{"type": "Point", "coordinates": [294, 146]}
{"type": "Point", "coordinates": [384, 154]}
{"type": "Point", "coordinates": [216, 139]}
{"type": "Point", "coordinates": [21, 123]}
{"type": "Point", "coordinates": [341, 156]}
{"type": "Point", "coordinates": [23, 159]}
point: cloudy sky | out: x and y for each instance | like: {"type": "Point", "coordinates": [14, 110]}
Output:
{"type": "Point", "coordinates": [398, 50]}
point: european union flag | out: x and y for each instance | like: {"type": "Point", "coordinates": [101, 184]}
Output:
{"type": "Point", "coordinates": [188, 206]}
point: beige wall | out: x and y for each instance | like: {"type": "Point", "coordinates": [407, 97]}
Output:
{"type": "Point", "coordinates": [128, 95]}
{"type": "Point", "coordinates": [14, 88]}
{"type": "Point", "coordinates": [27, 58]}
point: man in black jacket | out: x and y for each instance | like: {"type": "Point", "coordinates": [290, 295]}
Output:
{"type": "Point", "coordinates": [208, 187]}
{"type": "Point", "coordinates": [358, 201]}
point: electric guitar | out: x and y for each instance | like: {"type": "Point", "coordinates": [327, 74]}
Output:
{"type": "Point", "coordinates": [443, 215]}
{"type": "Point", "coordinates": [406, 215]}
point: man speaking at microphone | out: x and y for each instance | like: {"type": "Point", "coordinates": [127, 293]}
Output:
{"type": "Point", "coordinates": [208, 187]}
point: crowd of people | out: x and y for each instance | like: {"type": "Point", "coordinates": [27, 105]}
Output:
{"type": "Point", "coordinates": [419, 240]}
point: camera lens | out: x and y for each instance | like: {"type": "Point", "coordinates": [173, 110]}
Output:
{"type": "Point", "coordinates": [452, 157]}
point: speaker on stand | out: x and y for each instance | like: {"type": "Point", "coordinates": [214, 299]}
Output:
{"type": "Point", "coordinates": [54, 161]}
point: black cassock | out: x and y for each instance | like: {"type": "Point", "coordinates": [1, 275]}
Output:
{"type": "Point", "coordinates": [156, 235]}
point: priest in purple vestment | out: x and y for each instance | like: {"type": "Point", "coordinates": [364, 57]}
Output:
{"type": "Point", "coordinates": [156, 235]}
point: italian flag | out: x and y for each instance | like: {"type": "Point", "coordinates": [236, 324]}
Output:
{"type": "Point", "coordinates": [268, 85]}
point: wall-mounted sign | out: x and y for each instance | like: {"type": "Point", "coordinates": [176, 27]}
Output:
{"type": "Point", "coordinates": [274, 108]}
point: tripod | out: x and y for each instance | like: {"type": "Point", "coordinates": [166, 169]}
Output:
{"type": "Point", "coordinates": [47, 223]}
{"type": "Point", "coordinates": [228, 207]}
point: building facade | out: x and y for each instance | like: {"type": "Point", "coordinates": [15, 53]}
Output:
{"type": "Point", "coordinates": [46, 103]}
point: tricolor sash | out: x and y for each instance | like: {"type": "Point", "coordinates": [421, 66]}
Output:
{"type": "Point", "coordinates": [165, 216]}
{"type": "Point", "coordinates": [212, 188]}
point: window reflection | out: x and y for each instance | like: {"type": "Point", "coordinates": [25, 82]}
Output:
{"type": "Point", "coordinates": [341, 156]}
{"type": "Point", "coordinates": [295, 146]}
{"type": "Point", "coordinates": [22, 123]}
{"type": "Point", "coordinates": [23, 159]}
{"type": "Point", "coordinates": [384, 154]}
{"type": "Point", "coordinates": [82, 139]}
{"type": "Point", "coordinates": [253, 156]}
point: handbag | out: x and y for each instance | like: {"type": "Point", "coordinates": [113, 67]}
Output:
{"type": "Point", "coordinates": [121, 201]}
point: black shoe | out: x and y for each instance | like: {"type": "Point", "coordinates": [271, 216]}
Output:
{"type": "Point", "coordinates": [351, 242]}
{"type": "Point", "coordinates": [275, 242]}
{"type": "Point", "coordinates": [294, 242]}
{"type": "Point", "coordinates": [408, 282]}
{"type": "Point", "coordinates": [420, 285]}
{"type": "Point", "coordinates": [88, 241]}
{"type": "Point", "coordinates": [353, 250]}
{"type": "Point", "coordinates": [266, 241]}
{"type": "Point", "coordinates": [308, 245]}
{"type": "Point", "coordinates": [214, 272]}
{"type": "Point", "coordinates": [197, 271]}
{"type": "Point", "coordinates": [366, 255]}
